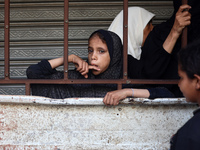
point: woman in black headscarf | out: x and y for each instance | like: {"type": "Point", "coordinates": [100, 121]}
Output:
{"type": "Point", "coordinates": [104, 62]}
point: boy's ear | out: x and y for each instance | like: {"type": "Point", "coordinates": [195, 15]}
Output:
{"type": "Point", "coordinates": [198, 81]}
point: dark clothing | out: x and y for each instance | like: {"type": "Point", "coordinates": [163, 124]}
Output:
{"type": "Point", "coordinates": [155, 62]}
{"type": "Point", "coordinates": [188, 136]}
{"type": "Point", "coordinates": [43, 70]}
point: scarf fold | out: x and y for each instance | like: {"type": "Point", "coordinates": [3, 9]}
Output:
{"type": "Point", "coordinates": [138, 18]}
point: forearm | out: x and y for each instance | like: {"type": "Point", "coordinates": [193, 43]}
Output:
{"type": "Point", "coordinates": [60, 61]}
{"type": "Point", "coordinates": [170, 41]}
{"type": "Point", "coordinates": [56, 62]}
{"type": "Point", "coordinates": [140, 93]}
{"type": "Point", "coordinates": [143, 93]}
{"type": "Point", "coordinates": [182, 19]}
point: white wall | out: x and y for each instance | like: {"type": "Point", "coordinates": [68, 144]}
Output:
{"type": "Point", "coordinates": [88, 124]}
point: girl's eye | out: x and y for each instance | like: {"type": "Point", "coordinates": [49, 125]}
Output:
{"type": "Point", "coordinates": [101, 51]}
{"type": "Point", "coordinates": [90, 51]}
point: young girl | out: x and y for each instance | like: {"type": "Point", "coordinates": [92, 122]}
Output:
{"type": "Point", "coordinates": [104, 62]}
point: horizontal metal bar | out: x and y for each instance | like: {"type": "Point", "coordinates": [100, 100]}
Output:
{"type": "Point", "coordinates": [86, 81]}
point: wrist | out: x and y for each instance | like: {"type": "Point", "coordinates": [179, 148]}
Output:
{"type": "Point", "coordinates": [129, 92]}
{"type": "Point", "coordinates": [132, 92]}
{"type": "Point", "coordinates": [71, 58]}
{"type": "Point", "coordinates": [175, 33]}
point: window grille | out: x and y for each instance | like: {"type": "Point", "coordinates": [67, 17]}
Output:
{"type": "Point", "coordinates": [27, 82]}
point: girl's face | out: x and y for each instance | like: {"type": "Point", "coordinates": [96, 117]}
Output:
{"type": "Point", "coordinates": [98, 55]}
{"type": "Point", "coordinates": [187, 86]}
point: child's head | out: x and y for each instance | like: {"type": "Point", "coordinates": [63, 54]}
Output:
{"type": "Point", "coordinates": [98, 53]}
{"type": "Point", "coordinates": [105, 52]}
{"type": "Point", "coordinates": [189, 71]}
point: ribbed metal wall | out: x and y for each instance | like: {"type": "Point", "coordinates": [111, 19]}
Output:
{"type": "Point", "coordinates": [36, 29]}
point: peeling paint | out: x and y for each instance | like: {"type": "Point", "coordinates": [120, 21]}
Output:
{"type": "Point", "coordinates": [86, 101]}
{"type": "Point", "coordinates": [51, 124]}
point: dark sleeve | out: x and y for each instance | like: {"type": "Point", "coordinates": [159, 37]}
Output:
{"type": "Point", "coordinates": [188, 136]}
{"type": "Point", "coordinates": [154, 57]}
{"type": "Point", "coordinates": [135, 68]}
{"type": "Point", "coordinates": [160, 92]}
{"type": "Point", "coordinates": [187, 144]}
{"type": "Point", "coordinates": [40, 71]}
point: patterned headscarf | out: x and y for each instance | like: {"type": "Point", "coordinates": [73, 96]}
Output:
{"type": "Point", "coordinates": [138, 18]}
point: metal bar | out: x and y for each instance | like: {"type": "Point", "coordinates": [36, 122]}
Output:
{"type": "Point", "coordinates": [66, 27]}
{"type": "Point", "coordinates": [184, 34]}
{"type": "Point", "coordinates": [125, 38]}
{"type": "Point", "coordinates": [27, 88]}
{"type": "Point", "coordinates": [6, 39]}
{"type": "Point", "coordinates": [86, 81]}
{"type": "Point", "coordinates": [119, 86]}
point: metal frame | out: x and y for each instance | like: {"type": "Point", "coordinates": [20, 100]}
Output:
{"type": "Point", "coordinates": [119, 82]}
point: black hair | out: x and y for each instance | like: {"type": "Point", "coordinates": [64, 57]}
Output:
{"type": "Point", "coordinates": [189, 59]}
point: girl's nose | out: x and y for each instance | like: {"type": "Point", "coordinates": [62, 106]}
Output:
{"type": "Point", "coordinates": [94, 57]}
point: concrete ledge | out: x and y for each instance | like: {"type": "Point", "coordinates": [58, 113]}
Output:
{"type": "Point", "coordinates": [19, 99]}
{"type": "Point", "coordinates": [31, 122]}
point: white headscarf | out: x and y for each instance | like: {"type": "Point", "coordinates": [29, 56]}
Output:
{"type": "Point", "coordinates": [138, 18]}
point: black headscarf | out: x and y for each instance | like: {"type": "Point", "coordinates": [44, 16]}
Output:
{"type": "Point", "coordinates": [114, 71]}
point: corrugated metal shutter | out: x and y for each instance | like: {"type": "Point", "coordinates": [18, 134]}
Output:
{"type": "Point", "coordinates": [36, 30]}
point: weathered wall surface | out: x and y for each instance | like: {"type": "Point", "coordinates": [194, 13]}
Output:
{"type": "Point", "coordinates": [56, 126]}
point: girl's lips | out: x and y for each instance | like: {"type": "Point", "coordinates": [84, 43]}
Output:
{"type": "Point", "coordinates": [94, 65]}
{"type": "Point", "coordinates": [98, 69]}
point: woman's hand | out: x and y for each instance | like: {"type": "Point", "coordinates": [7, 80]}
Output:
{"type": "Point", "coordinates": [113, 98]}
{"type": "Point", "coordinates": [182, 19]}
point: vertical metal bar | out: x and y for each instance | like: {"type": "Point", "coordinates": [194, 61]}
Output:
{"type": "Point", "coordinates": [119, 86]}
{"type": "Point", "coordinates": [66, 27]}
{"type": "Point", "coordinates": [184, 34]}
{"type": "Point", "coordinates": [27, 88]}
{"type": "Point", "coordinates": [6, 39]}
{"type": "Point", "coordinates": [125, 39]}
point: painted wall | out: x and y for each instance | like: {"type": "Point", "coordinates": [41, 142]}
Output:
{"type": "Point", "coordinates": [30, 123]}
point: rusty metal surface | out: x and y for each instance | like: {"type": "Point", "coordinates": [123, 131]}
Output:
{"type": "Point", "coordinates": [125, 39]}
{"type": "Point", "coordinates": [184, 34]}
{"type": "Point", "coordinates": [66, 29]}
{"type": "Point", "coordinates": [87, 81]}
{"type": "Point", "coordinates": [7, 39]}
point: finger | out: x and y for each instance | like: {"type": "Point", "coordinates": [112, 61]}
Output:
{"type": "Point", "coordinates": [85, 76]}
{"type": "Point", "coordinates": [184, 8]}
{"type": "Point", "coordinates": [80, 66]}
{"type": "Point", "coordinates": [81, 69]}
{"type": "Point", "coordinates": [111, 101]}
{"type": "Point", "coordinates": [94, 67]}
{"type": "Point", "coordinates": [185, 14]}
{"type": "Point", "coordinates": [85, 71]}
{"type": "Point", "coordinates": [116, 102]}
{"type": "Point", "coordinates": [105, 99]}
{"type": "Point", "coordinates": [108, 99]}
